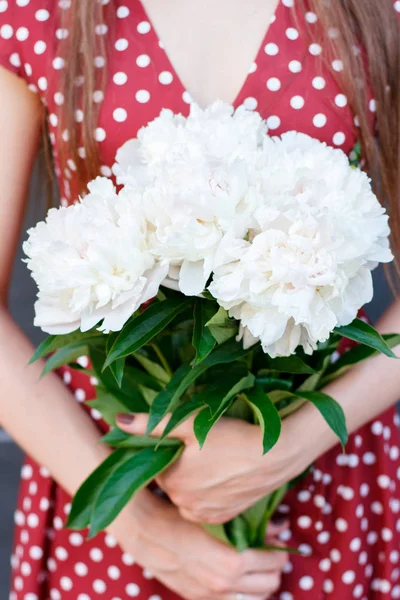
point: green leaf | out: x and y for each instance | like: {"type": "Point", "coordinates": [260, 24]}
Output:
{"type": "Point", "coordinates": [289, 364]}
{"type": "Point", "coordinates": [238, 533]}
{"type": "Point", "coordinates": [148, 394]}
{"type": "Point", "coordinates": [168, 398]}
{"type": "Point", "coordinates": [204, 422]}
{"type": "Point", "coordinates": [240, 409]}
{"type": "Point", "coordinates": [361, 332]}
{"type": "Point", "coordinates": [111, 402]}
{"type": "Point", "coordinates": [109, 405]}
{"type": "Point", "coordinates": [128, 395]}
{"type": "Point", "coordinates": [136, 377]}
{"type": "Point", "coordinates": [119, 439]}
{"type": "Point", "coordinates": [273, 383]}
{"type": "Point", "coordinates": [274, 500]}
{"type": "Point", "coordinates": [202, 340]}
{"type": "Point", "coordinates": [127, 479]}
{"type": "Point", "coordinates": [217, 531]}
{"type": "Point", "coordinates": [279, 396]}
{"type": "Point", "coordinates": [117, 369]}
{"type": "Point", "coordinates": [183, 412]}
{"type": "Point", "coordinates": [313, 382]}
{"type": "Point", "coordinates": [222, 327]}
{"type": "Point", "coordinates": [145, 326]}
{"type": "Point", "coordinates": [55, 342]}
{"type": "Point", "coordinates": [218, 398]}
{"type": "Point", "coordinates": [97, 357]}
{"type": "Point", "coordinates": [79, 516]}
{"type": "Point", "coordinates": [360, 353]}
{"type": "Point", "coordinates": [331, 411]}
{"type": "Point", "coordinates": [267, 415]}
{"type": "Point", "coordinates": [65, 355]}
{"type": "Point", "coordinates": [254, 516]}
{"type": "Point", "coordinates": [153, 369]}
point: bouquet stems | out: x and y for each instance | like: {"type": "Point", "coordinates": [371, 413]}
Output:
{"type": "Point", "coordinates": [248, 530]}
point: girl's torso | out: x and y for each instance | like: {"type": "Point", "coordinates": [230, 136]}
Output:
{"type": "Point", "coordinates": [345, 514]}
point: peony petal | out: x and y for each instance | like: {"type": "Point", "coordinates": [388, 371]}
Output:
{"type": "Point", "coordinates": [192, 278]}
{"type": "Point", "coordinates": [115, 319]}
{"type": "Point", "coordinates": [155, 278]}
{"type": "Point", "coordinates": [53, 319]}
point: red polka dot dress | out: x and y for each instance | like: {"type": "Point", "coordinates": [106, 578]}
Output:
{"type": "Point", "coordinates": [345, 515]}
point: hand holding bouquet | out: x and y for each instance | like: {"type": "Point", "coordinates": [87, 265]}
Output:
{"type": "Point", "coordinates": [218, 280]}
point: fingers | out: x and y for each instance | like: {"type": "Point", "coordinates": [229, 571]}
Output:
{"type": "Point", "coordinates": [260, 583]}
{"type": "Point", "coordinates": [136, 424]}
{"type": "Point", "coordinates": [242, 576]}
{"type": "Point", "coordinates": [264, 561]}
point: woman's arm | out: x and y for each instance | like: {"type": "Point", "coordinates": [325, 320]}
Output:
{"type": "Point", "coordinates": [364, 392]}
{"type": "Point", "coordinates": [39, 413]}
{"type": "Point", "coordinates": [241, 475]}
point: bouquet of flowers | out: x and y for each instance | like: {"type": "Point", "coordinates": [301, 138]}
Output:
{"type": "Point", "coordinates": [218, 279]}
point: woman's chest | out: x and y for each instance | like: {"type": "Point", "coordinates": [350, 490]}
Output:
{"type": "Point", "coordinates": [289, 79]}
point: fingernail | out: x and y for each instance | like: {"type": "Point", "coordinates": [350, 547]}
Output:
{"type": "Point", "coordinates": [125, 418]}
{"type": "Point", "coordinates": [278, 520]}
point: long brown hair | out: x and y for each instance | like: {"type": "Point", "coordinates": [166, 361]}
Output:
{"type": "Point", "coordinates": [368, 24]}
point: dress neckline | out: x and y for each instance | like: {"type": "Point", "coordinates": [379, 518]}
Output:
{"type": "Point", "coordinates": [242, 90]}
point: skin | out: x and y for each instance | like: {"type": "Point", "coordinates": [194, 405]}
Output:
{"type": "Point", "coordinates": [213, 64]}
{"type": "Point", "coordinates": [42, 415]}
{"type": "Point", "coordinates": [241, 475]}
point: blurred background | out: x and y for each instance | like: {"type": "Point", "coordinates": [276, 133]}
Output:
{"type": "Point", "coordinates": [21, 300]}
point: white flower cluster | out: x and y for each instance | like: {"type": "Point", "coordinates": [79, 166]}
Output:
{"type": "Point", "coordinates": [91, 262]}
{"type": "Point", "coordinates": [284, 228]}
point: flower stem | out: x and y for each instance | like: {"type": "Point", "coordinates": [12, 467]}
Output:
{"type": "Point", "coordinates": [274, 501]}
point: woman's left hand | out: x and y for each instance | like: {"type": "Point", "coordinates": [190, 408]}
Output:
{"type": "Point", "coordinates": [228, 475]}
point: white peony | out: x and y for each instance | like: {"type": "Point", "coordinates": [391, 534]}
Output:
{"type": "Point", "coordinates": [306, 266]}
{"type": "Point", "coordinates": [198, 178]}
{"type": "Point", "coordinates": [91, 262]}
{"type": "Point", "coordinates": [287, 231]}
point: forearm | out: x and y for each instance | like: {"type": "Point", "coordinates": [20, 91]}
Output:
{"type": "Point", "coordinates": [366, 391]}
{"type": "Point", "coordinates": [45, 420]}
{"type": "Point", "coordinates": [41, 415]}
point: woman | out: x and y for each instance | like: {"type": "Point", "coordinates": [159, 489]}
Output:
{"type": "Point", "coordinates": [84, 57]}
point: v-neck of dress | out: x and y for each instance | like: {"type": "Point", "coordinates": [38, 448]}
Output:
{"type": "Point", "coordinates": [242, 90]}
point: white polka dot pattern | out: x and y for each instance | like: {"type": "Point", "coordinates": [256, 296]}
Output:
{"type": "Point", "coordinates": [344, 515]}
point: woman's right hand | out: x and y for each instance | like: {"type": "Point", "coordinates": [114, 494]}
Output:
{"type": "Point", "coordinates": [189, 561]}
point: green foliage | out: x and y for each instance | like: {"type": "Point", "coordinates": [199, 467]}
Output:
{"type": "Point", "coordinates": [331, 411]}
{"type": "Point", "coordinates": [152, 368]}
{"type": "Point", "coordinates": [85, 498]}
{"type": "Point", "coordinates": [168, 399]}
{"type": "Point", "coordinates": [127, 478]}
{"type": "Point", "coordinates": [68, 354]}
{"type": "Point", "coordinates": [267, 416]}
{"type": "Point", "coordinates": [358, 354]}
{"type": "Point", "coordinates": [202, 340]}
{"type": "Point", "coordinates": [289, 364]}
{"type": "Point", "coordinates": [116, 438]}
{"type": "Point", "coordinates": [145, 326]}
{"type": "Point", "coordinates": [192, 367]}
{"type": "Point", "coordinates": [218, 399]}
{"type": "Point", "coordinates": [362, 333]}
{"type": "Point", "coordinates": [117, 369]}
{"type": "Point", "coordinates": [222, 327]}
{"type": "Point", "coordinates": [55, 342]}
